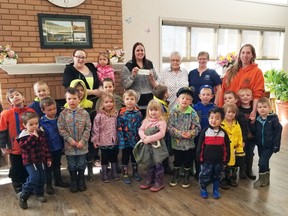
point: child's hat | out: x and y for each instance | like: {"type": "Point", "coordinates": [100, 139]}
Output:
{"type": "Point", "coordinates": [186, 90]}
{"type": "Point", "coordinates": [206, 86]}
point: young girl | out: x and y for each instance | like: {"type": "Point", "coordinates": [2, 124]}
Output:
{"type": "Point", "coordinates": [104, 69]}
{"type": "Point", "coordinates": [104, 135]}
{"type": "Point", "coordinates": [152, 131]}
{"type": "Point", "coordinates": [233, 129]}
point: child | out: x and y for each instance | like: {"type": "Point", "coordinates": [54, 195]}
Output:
{"type": "Point", "coordinates": [161, 95]}
{"type": "Point", "coordinates": [267, 129]}
{"type": "Point", "coordinates": [183, 127]}
{"type": "Point", "coordinates": [246, 97]}
{"type": "Point", "coordinates": [202, 108]}
{"type": "Point", "coordinates": [128, 124]}
{"type": "Point", "coordinates": [109, 86]}
{"type": "Point", "coordinates": [74, 126]}
{"type": "Point", "coordinates": [153, 129]}
{"type": "Point", "coordinates": [10, 127]}
{"type": "Point", "coordinates": [35, 155]}
{"type": "Point", "coordinates": [41, 90]}
{"type": "Point", "coordinates": [104, 69]}
{"type": "Point", "coordinates": [48, 123]}
{"type": "Point", "coordinates": [104, 135]}
{"type": "Point", "coordinates": [233, 129]}
{"type": "Point", "coordinates": [213, 152]}
{"type": "Point", "coordinates": [230, 97]}
{"type": "Point", "coordinates": [88, 106]}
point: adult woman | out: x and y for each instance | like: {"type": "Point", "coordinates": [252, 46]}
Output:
{"type": "Point", "coordinates": [204, 76]}
{"type": "Point", "coordinates": [174, 77]}
{"type": "Point", "coordinates": [79, 69]}
{"type": "Point", "coordinates": [139, 74]}
{"type": "Point", "coordinates": [245, 74]}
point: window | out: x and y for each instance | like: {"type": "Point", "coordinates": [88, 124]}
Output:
{"type": "Point", "coordinates": [191, 38]}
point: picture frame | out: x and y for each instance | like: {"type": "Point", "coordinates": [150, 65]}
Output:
{"type": "Point", "coordinates": [64, 31]}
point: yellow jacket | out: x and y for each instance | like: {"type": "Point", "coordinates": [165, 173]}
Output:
{"type": "Point", "coordinates": [236, 140]}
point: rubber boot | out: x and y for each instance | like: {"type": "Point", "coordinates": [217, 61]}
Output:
{"type": "Point", "coordinates": [242, 167]}
{"type": "Point", "coordinates": [73, 182]}
{"type": "Point", "coordinates": [167, 169]}
{"type": "Point", "coordinates": [81, 180]}
{"type": "Point", "coordinates": [262, 180]}
{"type": "Point", "coordinates": [23, 197]}
{"type": "Point", "coordinates": [249, 165]}
{"type": "Point", "coordinates": [58, 179]}
{"type": "Point", "coordinates": [17, 186]}
{"type": "Point", "coordinates": [90, 171]}
{"type": "Point", "coordinates": [114, 173]}
{"type": "Point", "coordinates": [149, 178]}
{"type": "Point", "coordinates": [186, 181]}
{"type": "Point", "coordinates": [104, 170]}
{"type": "Point", "coordinates": [126, 178]}
{"type": "Point", "coordinates": [176, 177]}
{"type": "Point", "coordinates": [216, 194]}
{"type": "Point", "coordinates": [225, 181]}
{"type": "Point", "coordinates": [233, 178]}
{"type": "Point", "coordinates": [135, 173]}
{"type": "Point", "coordinates": [159, 175]}
{"type": "Point", "coordinates": [203, 192]}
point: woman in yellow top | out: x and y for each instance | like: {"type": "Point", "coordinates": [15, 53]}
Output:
{"type": "Point", "coordinates": [233, 129]}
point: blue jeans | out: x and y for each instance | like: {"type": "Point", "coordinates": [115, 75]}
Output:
{"type": "Point", "coordinates": [36, 179]}
{"type": "Point", "coordinates": [210, 173]}
{"type": "Point", "coordinates": [264, 157]}
{"type": "Point", "coordinates": [76, 162]}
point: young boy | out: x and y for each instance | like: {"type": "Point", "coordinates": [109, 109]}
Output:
{"type": "Point", "coordinates": [230, 97]}
{"type": "Point", "coordinates": [161, 95]}
{"type": "Point", "coordinates": [48, 122]}
{"type": "Point", "coordinates": [268, 130]}
{"type": "Point", "coordinates": [41, 90]}
{"type": "Point", "coordinates": [10, 127]}
{"type": "Point", "coordinates": [202, 108]}
{"type": "Point", "coordinates": [213, 152]}
{"type": "Point", "coordinates": [246, 97]}
{"type": "Point", "coordinates": [35, 155]}
{"type": "Point", "coordinates": [74, 126]}
{"type": "Point", "coordinates": [80, 86]}
{"type": "Point", "coordinates": [128, 124]}
{"type": "Point", "coordinates": [109, 86]}
{"type": "Point", "coordinates": [233, 129]}
{"type": "Point", "coordinates": [183, 127]}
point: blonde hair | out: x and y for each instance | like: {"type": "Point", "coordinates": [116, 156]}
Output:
{"type": "Point", "coordinates": [242, 90]}
{"type": "Point", "coordinates": [40, 83]}
{"type": "Point", "coordinates": [105, 55]}
{"type": "Point", "coordinates": [155, 105]}
{"type": "Point", "coordinates": [102, 99]}
{"type": "Point", "coordinates": [232, 107]}
{"type": "Point", "coordinates": [130, 93]}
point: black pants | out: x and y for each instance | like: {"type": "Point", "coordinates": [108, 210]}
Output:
{"type": "Point", "coordinates": [17, 172]}
{"type": "Point", "coordinates": [56, 165]}
{"type": "Point", "coordinates": [184, 158]}
{"type": "Point", "coordinates": [92, 153]}
{"type": "Point", "coordinates": [109, 155]}
{"type": "Point", "coordinates": [126, 155]}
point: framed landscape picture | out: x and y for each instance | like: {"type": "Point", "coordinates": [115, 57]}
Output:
{"type": "Point", "coordinates": [64, 31]}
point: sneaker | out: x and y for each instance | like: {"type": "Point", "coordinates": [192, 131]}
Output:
{"type": "Point", "coordinates": [42, 198]}
{"type": "Point", "coordinates": [224, 184]}
{"type": "Point", "coordinates": [127, 179]}
{"type": "Point", "coordinates": [23, 203]}
{"type": "Point", "coordinates": [97, 163]}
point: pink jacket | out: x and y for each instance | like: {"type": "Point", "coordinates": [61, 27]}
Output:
{"type": "Point", "coordinates": [104, 131]}
{"type": "Point", "coordinates": [105, 72]}
{"type": "Point", "coordinates": [162, 125]}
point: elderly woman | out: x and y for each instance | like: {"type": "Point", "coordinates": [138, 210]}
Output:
{"type": "Point", "coordinates": [87, 72]}
{"type": "Point", "coordinates": [204, 76]}
{"type": "Point", "coordinates": [139, 74]}
{"type": "Point", "coordinates": [174, 77]}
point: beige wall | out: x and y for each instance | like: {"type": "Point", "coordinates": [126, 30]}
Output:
{"type": "Point", "coordinates": [147, 14]}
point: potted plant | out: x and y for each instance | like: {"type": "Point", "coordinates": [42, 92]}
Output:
{"type": "Point", "coordinates": [276, 82]}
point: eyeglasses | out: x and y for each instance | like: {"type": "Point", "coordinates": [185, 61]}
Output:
{"type": "Point", "coordinates": [80, 57]}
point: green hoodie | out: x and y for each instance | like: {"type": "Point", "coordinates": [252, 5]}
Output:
{"type": "Point", "coordinates": [84, 103]}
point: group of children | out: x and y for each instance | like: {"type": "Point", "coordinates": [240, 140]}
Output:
{"type": "Point", "coordinates": [219, 140]}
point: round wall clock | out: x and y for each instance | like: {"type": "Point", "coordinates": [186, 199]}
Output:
{"type": "Point", "coordinates": [67, 3]}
